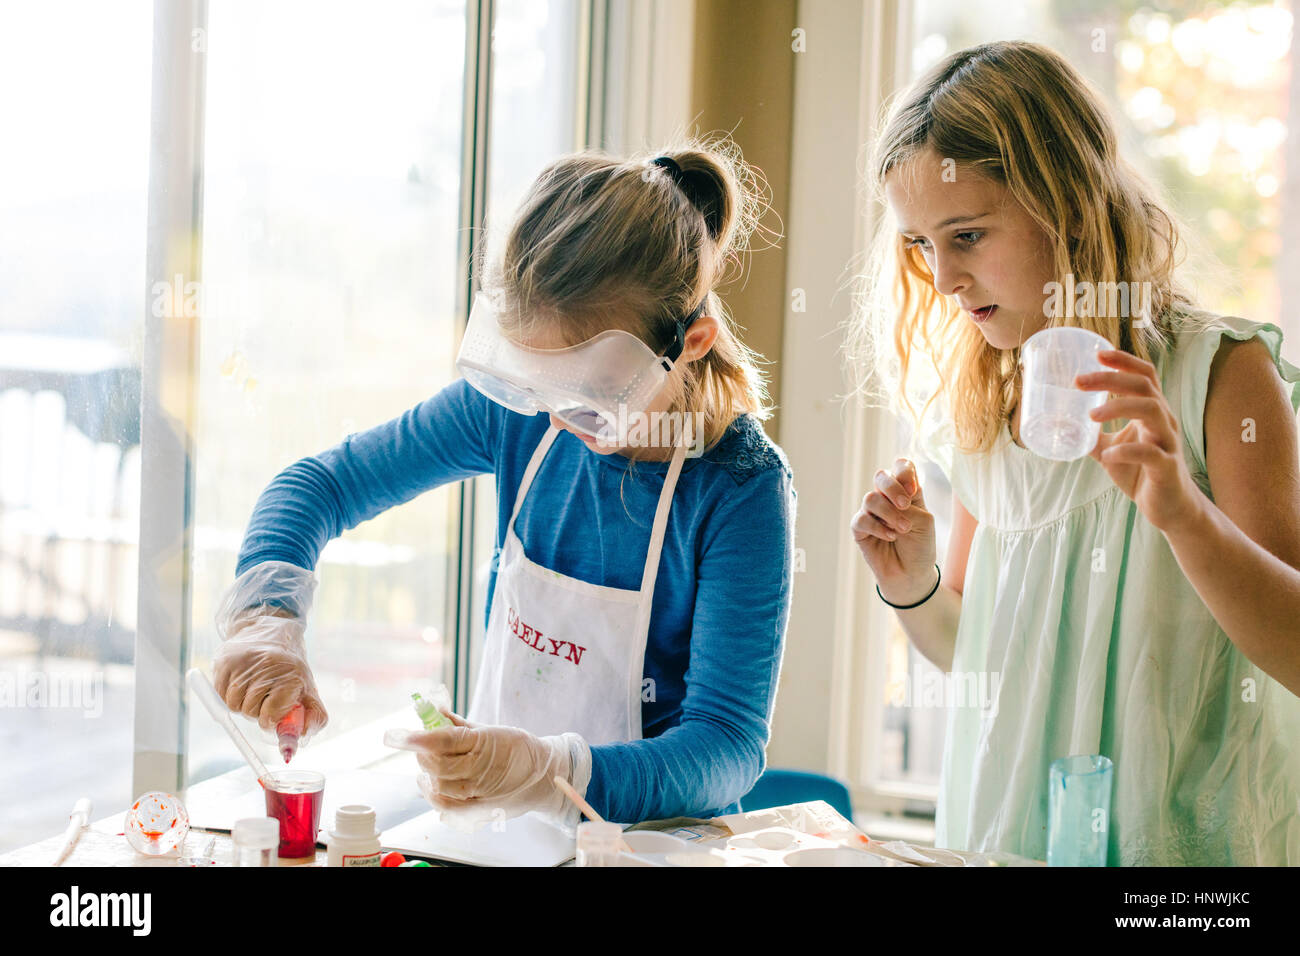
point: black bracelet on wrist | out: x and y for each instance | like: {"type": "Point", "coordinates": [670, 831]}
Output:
{"type": "Point", "coordinates": [904, 607]}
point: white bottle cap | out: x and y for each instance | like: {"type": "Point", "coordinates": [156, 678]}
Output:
{"type": "Point", "coordinates": [355, 820]}
{"type": "Point", "coordinates": [257, 833]}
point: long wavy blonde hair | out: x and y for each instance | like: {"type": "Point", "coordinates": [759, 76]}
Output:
{"type": "Point", "coordinates": [601, 242]}
{"type": "Point", "coordinates": [1019, 114]}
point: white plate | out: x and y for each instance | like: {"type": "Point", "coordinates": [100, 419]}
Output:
{"type": "Point", "coordinates": [832, 856]}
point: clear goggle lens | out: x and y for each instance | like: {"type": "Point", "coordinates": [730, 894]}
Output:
{"type": "Point", "coordinates": [521, 398]}
{"type": "Point", "coordinates": [586, 420]}
{"type": "Point", "coordinates": [517, 398]}
{"type": "Point", "coordinates": [587, 386]}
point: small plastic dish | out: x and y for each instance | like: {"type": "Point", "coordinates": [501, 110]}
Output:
{"type": "Point", "coordinates": [652, 841]}
{"type": "Point", "coordinates": [156, 824]}
{"type": "Point", "coordinates": [832, 856]}
{"type": "Point", "coordinates": [698, 858]}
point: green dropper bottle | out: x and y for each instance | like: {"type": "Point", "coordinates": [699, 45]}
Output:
{"type": "Point", "coordinates": [430, 715]}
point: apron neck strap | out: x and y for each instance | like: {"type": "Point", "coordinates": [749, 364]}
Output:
{"type": "Point", "coordinates": [661, 513]}
{"type": "Point", "coordinates": [661, 519]}
{"type": "Point", "coordinates": [530, 472]}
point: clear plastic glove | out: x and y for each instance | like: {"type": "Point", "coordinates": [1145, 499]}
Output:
{"type": "Point", "coordinates": [478, 773]}
{"type": "Point", "coordinates": [261, 670]}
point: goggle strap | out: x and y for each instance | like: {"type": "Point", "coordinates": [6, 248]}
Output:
{"type": "Point", "coordinates": [679, 334]}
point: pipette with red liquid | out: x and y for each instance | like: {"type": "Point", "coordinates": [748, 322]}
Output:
{"type": "Point", "coordinates": [289, 729]}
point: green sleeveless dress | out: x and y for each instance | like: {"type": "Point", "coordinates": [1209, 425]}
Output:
{"type": "Point", "coordinates": [1095, 641]}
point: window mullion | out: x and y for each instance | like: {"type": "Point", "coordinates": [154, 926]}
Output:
{"type": "Point", "coordinates": [479, 16]}
{"type": "Point", "coordinates": [169, 396]}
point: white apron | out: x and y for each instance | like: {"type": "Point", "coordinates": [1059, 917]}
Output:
{"type": "Point", "coordinates": [563, 655]}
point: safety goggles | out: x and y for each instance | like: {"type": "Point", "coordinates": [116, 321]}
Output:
{"type": "Point", "coordinates": [585, 385]}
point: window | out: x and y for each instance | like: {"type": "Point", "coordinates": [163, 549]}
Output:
{"type": "Point", "coordinates": [331, 168]}
{"type": "Point", "coordinates": [535, 118]}
{"type": "Point", "coordinates": [73, 199]}
{"type": "Point", "coordinates": [341, 155]}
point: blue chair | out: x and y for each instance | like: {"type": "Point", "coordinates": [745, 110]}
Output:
{"type": "Point", "coordinates": [777, 788]}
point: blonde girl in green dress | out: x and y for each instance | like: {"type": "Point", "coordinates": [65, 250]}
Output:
{"type": "Point", "coordinates": [1141, 602]}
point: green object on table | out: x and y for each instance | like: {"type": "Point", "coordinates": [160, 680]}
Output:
{"type": "Point", "coordinates": [413, 863]}
{"type": "Point", "coordinates": [429, 714]}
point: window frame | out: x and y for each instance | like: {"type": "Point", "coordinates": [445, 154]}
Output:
{"type": "Point", "coordinates": [831, 702]}
{"type": "Point", "coordinates": [169, 395]}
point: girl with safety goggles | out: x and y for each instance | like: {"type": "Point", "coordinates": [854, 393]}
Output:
{"type": "Point", "coordinates": [638, 602]}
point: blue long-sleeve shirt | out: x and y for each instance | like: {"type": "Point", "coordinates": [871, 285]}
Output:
{"type": "Point", "coordinates": [721, 601]}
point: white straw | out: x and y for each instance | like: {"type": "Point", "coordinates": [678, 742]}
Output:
{"type": "Point", "coordinates": [567, 789]}
{"type": "Point", "coordinates": [215, 706]}
{"type": "Point", "coordinates": [78, 820]}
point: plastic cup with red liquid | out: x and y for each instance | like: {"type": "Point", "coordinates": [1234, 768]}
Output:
{"type": "Point", "coordinates": [294, 798]}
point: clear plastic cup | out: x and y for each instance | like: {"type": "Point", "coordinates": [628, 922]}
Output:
{"type": "Point", "coordinates": [598, 843]}
{"type": "Point", "coordinates": [1054, 420]}
{"type": "Point", "coordinates": [294, 797]}
{"type": "Point", "coordinates": [1078, 810]}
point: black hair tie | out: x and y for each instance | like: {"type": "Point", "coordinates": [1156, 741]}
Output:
{"type": "Point", "coordinates": [670, 164]}
{"type": "Point", "coordinates": [702, 201]}
{"type": "Point", "coordinates": [681, 325]}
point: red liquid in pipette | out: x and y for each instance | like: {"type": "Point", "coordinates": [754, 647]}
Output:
{"type": "Point", "coordinates": [299, 816]}
{"type": "Point", "coordinates": [289, 729]}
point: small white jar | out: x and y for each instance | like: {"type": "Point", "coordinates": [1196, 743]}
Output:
{"type": "Point", "coordinates": [354, 841]}
{"type": "Point", "coordinates": [255, 841]}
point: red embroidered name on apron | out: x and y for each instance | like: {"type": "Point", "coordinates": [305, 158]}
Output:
{"type": "Point", "coordinates": [533, 638]}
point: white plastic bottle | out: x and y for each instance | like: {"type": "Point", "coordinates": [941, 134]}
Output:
{"type": "Point", "coordinates": [354, 841]}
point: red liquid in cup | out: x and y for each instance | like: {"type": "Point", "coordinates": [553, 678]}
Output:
{"type": "Point", "coordinates": [298, 810]}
